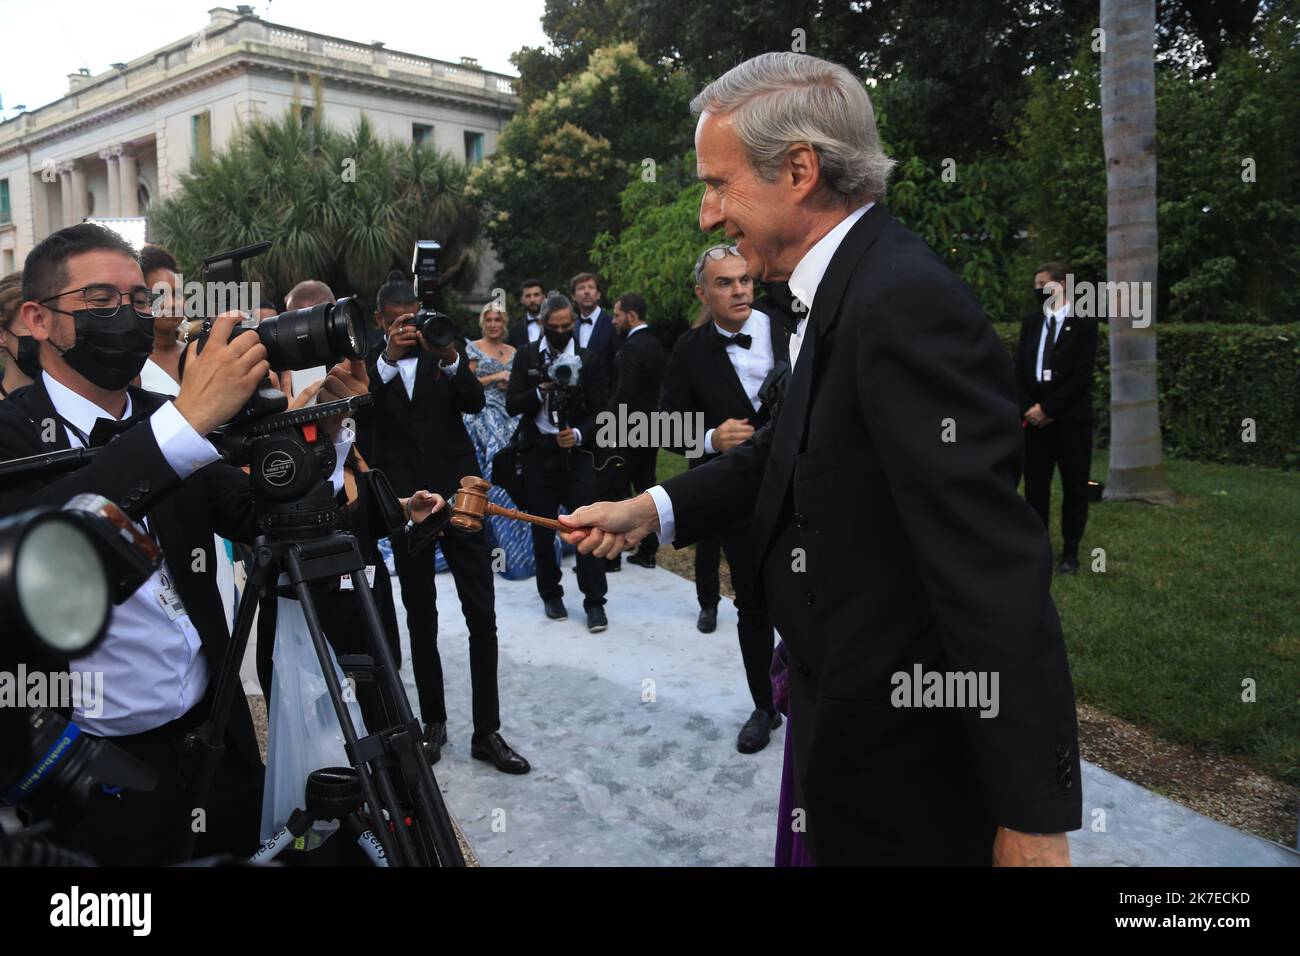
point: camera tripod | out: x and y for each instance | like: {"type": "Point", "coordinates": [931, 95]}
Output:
{"type": "Point", "coordinates": [297, 518]}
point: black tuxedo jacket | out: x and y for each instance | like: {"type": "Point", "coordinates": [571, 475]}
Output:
{"type": "Point", "coordinates": [521, 396]}
{"type": "Point", "coordinates": [517, 334]}
{"type": "Point", "coordinates": [604, 340]}
{"type": "Point", "coordinates": [183, 515]}
{"type": "Point", "coordinates": [638, 373]}
{"type": "Point", "coordinates": [1068, 396]}
{"type": "Point", "coordinates": [891, 542]}
{"type": "Point", "coordinates": [700, 378]}
{"type": "Point", "coordinates": [421, 442]}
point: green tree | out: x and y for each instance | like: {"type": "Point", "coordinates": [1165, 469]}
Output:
{"type": "Point", "coordinates": [553, 183]}
{"type": "Point", "coordinates": [342, 207]}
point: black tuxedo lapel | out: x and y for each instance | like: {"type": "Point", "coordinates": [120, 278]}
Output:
{"type": "Point", "coordinates": [719, 362]}
{"type": "Point", "coordinates": [792, 421]}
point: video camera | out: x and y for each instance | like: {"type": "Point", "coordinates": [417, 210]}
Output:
{"type": "Point", "coordinates": [61, 572]}
{"type": "Point", "coordinates": [304, 338]}
{"type": "Point", "coordinates": [565, 401]}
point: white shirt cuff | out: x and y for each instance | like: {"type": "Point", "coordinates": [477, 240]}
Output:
{"type": "Point", "coordinates": [708, 442]}
{"type": "Point", "coordinates": [185, 449]}
{"type": "Point", "coordinates": [577, 436]}
{"type": "Point", "coordinates": [342, 444]}
{"type": "Point", "coordinates": [664, 505]}
{"type": "Point", "coordinates": [387, 370]}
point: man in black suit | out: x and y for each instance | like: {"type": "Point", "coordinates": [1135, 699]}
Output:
{"type": "Point", "coordinates": [638, 376]}
{"type": "Point", "coordinates": [896, 553]}
{"type": "Point", "coordinates": [559, 429]}
{"type": "Point", "coordinates": [717, 370]}
{"type": "Point", "coordinates": [419, 440]}
{"type": "Point", "coordinates": [527, 330]}
{"type": "Point", "coordinates": [87, 306]}
{"type": "Point", "coordinates": [1054, 366]}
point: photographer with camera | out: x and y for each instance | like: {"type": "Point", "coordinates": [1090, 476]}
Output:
{"type": "Point", "coordinates": [558, 389]}
{"type": "Point", "coordinates": [86, 303]}
{"type": "Point", "coordinates": [418, 438]}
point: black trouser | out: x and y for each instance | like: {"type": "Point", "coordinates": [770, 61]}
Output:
{"type": "Point", "coordinates": [757, 637]}
{"type": "Point", "coordinates": [341, 619]}
{"type": "Point", "coordinates": [633, 475]}
{"type": "Point", "coordinates": [470, 563]}
{"type": "Point", "coordinates": [1069, 446]}
{"type": "Point", "coordinates": [555, 476]}
{"type": "Point", "coordinates": [149, 828]}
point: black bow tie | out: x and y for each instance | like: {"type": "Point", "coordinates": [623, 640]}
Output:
{"type": "Point", "coordinates": [740, 338]}
{"type": "Point", "coordinates": [588, 321]}
{"type": "Point", "coordinates": [783, 306]}
{"type": "Point", "coordinates": [106, 429]}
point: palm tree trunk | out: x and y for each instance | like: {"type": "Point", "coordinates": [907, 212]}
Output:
{"type": "Point", "coordinates": [1128, 110]}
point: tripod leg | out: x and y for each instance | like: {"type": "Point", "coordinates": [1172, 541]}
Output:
{"type": "Point", "coordinates": [402, 841]}
{"type": "Point", "coordinates": [427, 794]}
{"type": "Point", "coordinates": [207, 744]}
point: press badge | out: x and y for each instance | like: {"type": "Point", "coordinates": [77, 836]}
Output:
{"type": "Point", "coordinates": [165, 594]}
{"type": "Point", "coordinates": [345, 582]}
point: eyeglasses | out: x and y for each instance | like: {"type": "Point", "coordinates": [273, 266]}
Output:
{"type": "Point", "coordinates": [716, 253]}
{"type": "Point", "coordinates": [103, 300]}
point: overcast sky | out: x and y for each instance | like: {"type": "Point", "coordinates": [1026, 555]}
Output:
{"type": "Point", "coordinates": [48, 39]}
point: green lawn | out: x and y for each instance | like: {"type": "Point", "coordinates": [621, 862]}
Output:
{"type": "Point", "coordinates": [1195, 599]}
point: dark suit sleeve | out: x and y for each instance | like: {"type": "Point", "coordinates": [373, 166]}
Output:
{"type": "Point", "coordinates": [595, 393]}
{"type": "Point", "coordinates": [230, 501]}
{"type": "Point", "coordinates": [633, 376]}
{"type": "Point", "coordinates": [1023, 373]}
{"type": "Point", "coordinates": [926, 362]}
{"type": "Point", "coordinates": [1078, 382]}
{"type": "Point", "coordinates": [678, 396]}
{"type": "Point", "coordinates": [521, 397]}
{"type": "Point", "coordinates": [466, 389]}
{"type": "Point", "coordinates": [130, 471]}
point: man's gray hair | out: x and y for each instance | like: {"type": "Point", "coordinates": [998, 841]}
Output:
{"type": "Point", "coordinates": [554, 302]}
{"type": "Point", "coordinates": [727, 248]}
{"type": "Point", "coordinates": [777, 100]}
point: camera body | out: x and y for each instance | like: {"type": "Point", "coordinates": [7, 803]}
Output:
{"type": "Point", "coordinates": [565, 400]}
{"type": "Point", "coordinates": [430, 321]}
{"type": "Point", "coordinates": [304, 338]}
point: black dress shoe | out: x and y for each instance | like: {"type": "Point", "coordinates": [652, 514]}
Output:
{"type": "Point", "coordinates": [707, 622]}
{"type": "Point", "coordinates": [435, 735]}
{"type": "Point", "coordinates": [756, 733]}
{"type": "Point", "coordinates": [646, 560]}
{"type": "Point", "coordinates": [614, 564]}
{"type": "Point", "coordinates": [498, 753]}
{"type": "Point", "coordinates": [596, 620]}
{"type": "Point", "coordinates": [1069, 564]}
{"type": "Point", "coordinates": [555, 609]}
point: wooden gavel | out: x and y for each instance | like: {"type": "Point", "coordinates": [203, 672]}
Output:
{"type": "Point", "coordinates": [470, 504]}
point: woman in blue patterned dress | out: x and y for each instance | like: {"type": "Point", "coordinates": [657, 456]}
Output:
{"type": "Point", "coordinates": [490, 430]}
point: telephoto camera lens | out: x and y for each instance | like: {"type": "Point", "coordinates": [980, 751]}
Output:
{"type": "Point", "coordinates": [319, 335]}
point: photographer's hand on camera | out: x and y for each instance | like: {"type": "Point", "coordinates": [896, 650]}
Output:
{"type": "Point", "coordinates": [220, 379]}
{"type": "Point", "coordinates": [402, 339]}
{"type": "Point", "coordinates": [567, 438]}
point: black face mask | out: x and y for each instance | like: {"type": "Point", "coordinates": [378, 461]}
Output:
{"type": "Point", "coordinates": [28, 358]}
{"type": "Point", "coordinates": [109, 352]}
{"type": "Point", "coordinates": [558, 341]}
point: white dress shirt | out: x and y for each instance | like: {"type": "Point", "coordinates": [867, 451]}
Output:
{"type": "Point", "coordinates": [151, 661]}
{"type": "Point", "coordinates": [154, 378]}
{"type": "Point", "coordinates": [543, 423]}
{"type": "Point", "coordinates": [407, 368]}
{"type": "Point", "coordinates": [1060, 314]}
{"type": "Point", "coordinates": [751, 364]}
{"type": "Point", "coordinates": [534, 327]}
{"type": "Point", "coordinates": [804, 280]}
{"type": "Point", "coordinates": [582, 331]}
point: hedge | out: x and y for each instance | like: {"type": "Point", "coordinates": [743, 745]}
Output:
{"type": "Point", "coordinates": [1212, 376]}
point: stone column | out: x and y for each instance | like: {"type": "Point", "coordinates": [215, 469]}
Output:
{"type": "Point", "coordinates": [78, 191]}
{"type": "Point", "coordinates": [65, 193]}
{"type": "Point", "coordinates": [110, 163]}
{"type": "Point", "coordinates": [130, 188]}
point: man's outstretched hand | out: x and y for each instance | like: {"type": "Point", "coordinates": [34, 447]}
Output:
{"type": "Point", "coordinates": [1011, 848]}
{"type": "Point", "coordinates": [607, 528]}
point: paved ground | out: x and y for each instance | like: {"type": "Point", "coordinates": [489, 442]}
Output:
{"type": "Point", "coordinates": [631, 734]}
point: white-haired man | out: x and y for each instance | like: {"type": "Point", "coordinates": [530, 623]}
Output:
{"type": "Point", "coordinates": [930, 698]}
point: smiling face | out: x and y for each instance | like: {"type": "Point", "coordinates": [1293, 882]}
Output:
{"type": "Point", "coordinates": [757, 216]}
{"type": "Point", "coordinates": [493, 324]}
